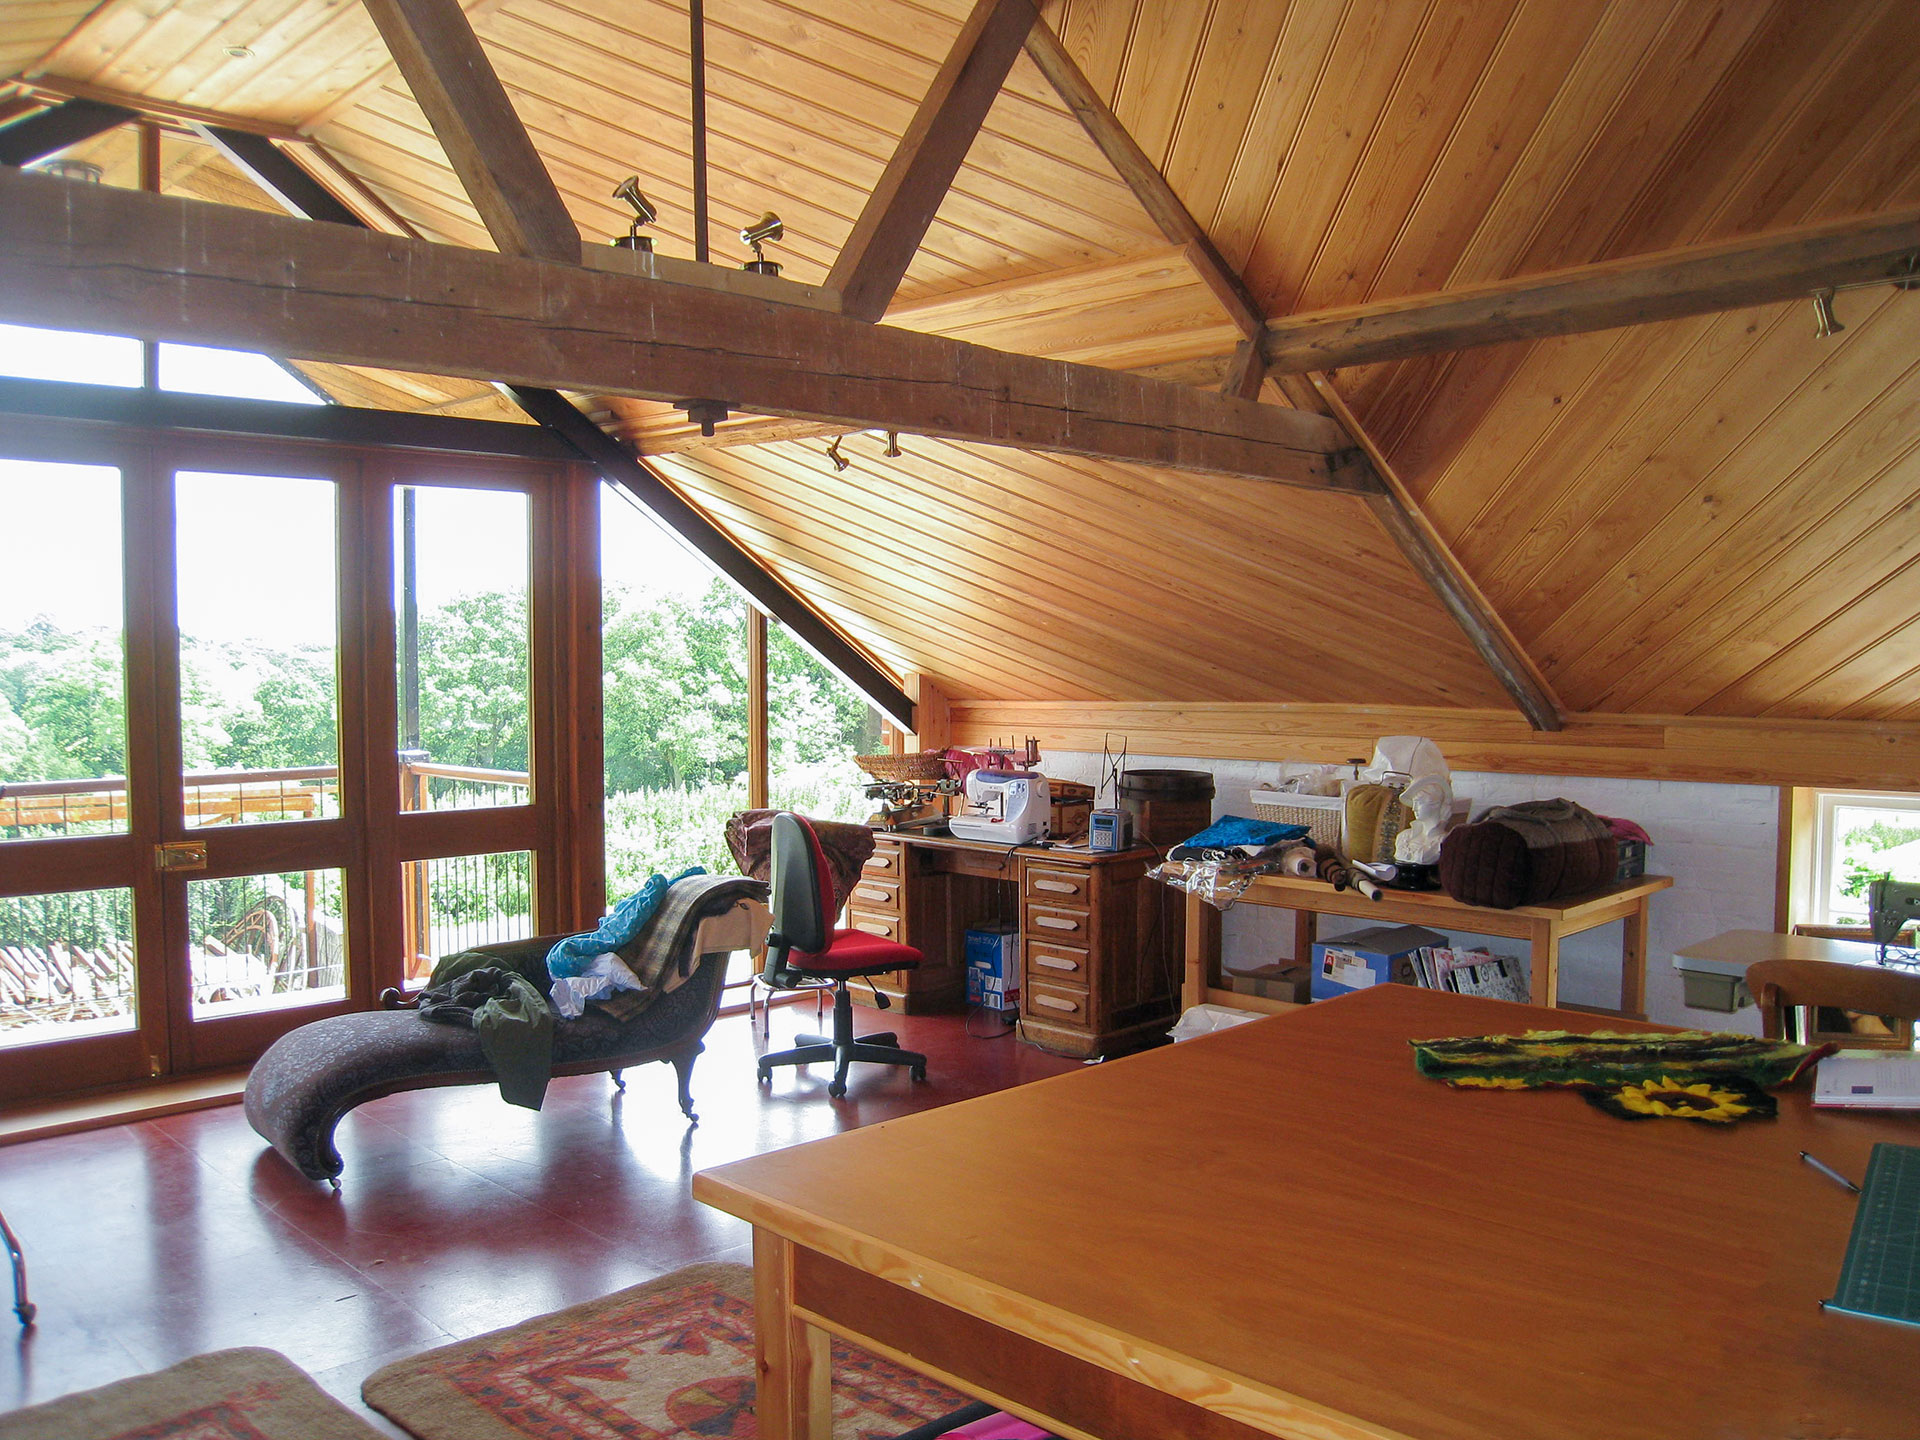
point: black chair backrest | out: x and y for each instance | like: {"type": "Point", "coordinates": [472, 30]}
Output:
{"type": "Point", "coordinates": [800, 911]}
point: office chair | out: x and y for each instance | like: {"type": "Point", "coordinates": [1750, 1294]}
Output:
{"type": "Point", "coordinates": [1784, 989]}
{"type": "Point", "coordinates": [804, 946]}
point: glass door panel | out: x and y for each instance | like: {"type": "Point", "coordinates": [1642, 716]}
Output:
{"type": "Point", "coordinates": [459, 901]}
{"type": "Point", "coordinates": [266, 942]}
{"type": "Point", "coordinates": [63, 693]}
{"type": "Point", "coordinates": [461, 592]}
{"type": "Point", "coordinates": [66, 966]}
{"type": "Point", "coordinates": [258, 596]}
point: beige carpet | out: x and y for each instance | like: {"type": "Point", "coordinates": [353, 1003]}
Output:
{"type": "Point", "coordinates": [668, 1360]}
{"type": "Point", "coordinates": [227, 1395]}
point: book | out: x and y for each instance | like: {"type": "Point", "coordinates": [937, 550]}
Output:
{"type": "Point", "coordinates": [1465, 972]}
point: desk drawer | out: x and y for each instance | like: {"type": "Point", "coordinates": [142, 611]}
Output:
{"type": "Point", "coordinates": [875, 895]}
{"type": "Point", "coordinates": [885, 926]}
{"type": "Point", "coordinates": [1051, 964]}
{"type": "Point", "coordinates": [1057, 1004]}
{"type": "Point", "coordinates": [1057, 886]}
{"type": "Point", "coordinates": [885, 860]}
{"type": "Point", "coordinates": [1044, 922]}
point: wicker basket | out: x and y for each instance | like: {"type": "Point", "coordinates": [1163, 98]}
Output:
{"type": "Point", "coordinates": [1321, 814]}
{"type": "Point", "coordinates": [921, 767]}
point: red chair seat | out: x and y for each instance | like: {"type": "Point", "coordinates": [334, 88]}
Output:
{"type": "Point", "coordinates": [855, 952]}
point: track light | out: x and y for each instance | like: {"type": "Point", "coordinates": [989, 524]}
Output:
{"type": "Point", "coordinates": [893, 444]}
{"type": "Point", "coordinates": [643, 214]}
{"type": "Point", "coordinates": [840, 462]}
{"type": "Point", "coordinates": [766, 228]}
{"type": "Point", "coordinates": [1825, 322]}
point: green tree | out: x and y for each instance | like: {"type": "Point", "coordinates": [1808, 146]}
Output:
{"type": "Point", "coordinates": [473, 681]}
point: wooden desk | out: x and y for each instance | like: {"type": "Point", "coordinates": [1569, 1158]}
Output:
{"type": "Point", "coordinates": [1543, 927]}
{"type": "Point", "coordinates": [1099, 941]}
{"type": "Point", "coordinates": [1282, 1229]}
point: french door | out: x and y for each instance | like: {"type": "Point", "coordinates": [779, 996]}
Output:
{"type": "Point", "coordinates": [279, 722]}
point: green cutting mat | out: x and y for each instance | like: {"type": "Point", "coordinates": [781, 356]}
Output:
{"type": "Point", "coordinates": [1881, 1275]}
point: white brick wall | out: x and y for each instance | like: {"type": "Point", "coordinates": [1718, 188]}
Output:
{"type": "Point", "coordinates": [1716, 841]}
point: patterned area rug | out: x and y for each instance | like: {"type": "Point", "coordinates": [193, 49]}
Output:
{"type": "Point", "coordinates": [227, 1395]}
{"type": "Point", "coordinates": [668, 1360]}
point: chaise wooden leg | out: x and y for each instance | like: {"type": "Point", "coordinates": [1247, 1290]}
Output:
{"type": "Point", "coordinates": [683, 1067]}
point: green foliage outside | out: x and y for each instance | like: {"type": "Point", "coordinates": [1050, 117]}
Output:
{"type": "Point", "coordinates": [1862, 860]}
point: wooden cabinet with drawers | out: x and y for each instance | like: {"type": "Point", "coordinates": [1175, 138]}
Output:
{"type": "Point", "coordinates": [1099, 941]}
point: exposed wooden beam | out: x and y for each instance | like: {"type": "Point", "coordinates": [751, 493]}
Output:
{"type": "Point", "coordinates": [269, 167]}
{"type": "Point", "coordinates": [175, 111]}
{"type": "Point", "coordinates": [440, 56]}
{"type": "Point", "coordinates": [51, 131]}
{"type": "Point", "coordinates": [1696, 280]}
{"type": "Point", "coordinates": [212, 274]}
{"type": "Point", "coordinates": [1143, 177]}
{"type": "Point", "coordinates": [720, 549]}
{"type": "Point", "coordinates": [895, 219]}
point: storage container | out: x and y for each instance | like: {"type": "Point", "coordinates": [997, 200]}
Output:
{"type": "Point", "coordinates": [1321, 814]}
{"type": "Point", "coordinates": [1167, 805]}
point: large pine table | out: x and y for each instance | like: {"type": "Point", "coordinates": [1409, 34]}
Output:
{"type": "Point", "coordinates": [1282, 1229]}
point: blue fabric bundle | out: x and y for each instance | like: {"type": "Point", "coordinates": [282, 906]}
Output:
{"type": "Point", "coordinates": [575, 953]}
{"type": "Point", "coordinates": [1233, 831]}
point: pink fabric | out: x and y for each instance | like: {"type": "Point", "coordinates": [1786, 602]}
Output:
{"type": "Point", "coordinates": [999, 1426]}
{"type": "Point", "coordinates": [1627, 830]}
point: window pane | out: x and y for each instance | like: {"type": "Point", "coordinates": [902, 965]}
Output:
{"type": "Point", "coordinates": [66, 966]}
{"type": "Point", "coordinates": [1869, 841]}
{"type": "Point", "coordinates": [259, 715]}
{"type": "Point", "coordinates": [816, 724]}
{"type": "Point", "coordinates": [203, 370]}
{"type": "Point", "coordinates": [35, 354]}
{"type": "Point", "coordinates": [461, 901]}
{"type": "Point", "coordinates": [674, 649]}
{"type": "Point", "coordinates": [267, 942]}
{"type": "Point", "coordinates": [460, 597]}
{"type": "Point", "coordinates": [63, 709]}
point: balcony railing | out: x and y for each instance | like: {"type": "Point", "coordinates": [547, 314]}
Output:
{"type": "Point", "coordinates": [256, 942]}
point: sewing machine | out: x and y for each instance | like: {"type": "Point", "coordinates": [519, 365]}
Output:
{"type": "Point", "coordinates": [1004, 807]}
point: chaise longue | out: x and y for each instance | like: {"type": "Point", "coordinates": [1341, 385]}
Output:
{"type": "Point", "coordinates": [311, 1077]}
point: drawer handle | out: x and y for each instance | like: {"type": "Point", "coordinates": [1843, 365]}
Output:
{"type": "Point", "coordinates": [867, 892]}
{"type": "Point", "coordinates": [1059, 887]}
{"type": "Point", "coordinates": [878, 862]}
{"type": "Point", "coordinates": [1053, 1004]}
{"type": "Point", "coordinates": [1054, 922]}
{"type": "Point", "coordinates": [874, 928]}
{"type": "Point", "coordinates": [1056, 962]}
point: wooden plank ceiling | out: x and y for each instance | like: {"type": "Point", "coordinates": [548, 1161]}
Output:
{"type": "Point", "coordinates": [1710, 516]}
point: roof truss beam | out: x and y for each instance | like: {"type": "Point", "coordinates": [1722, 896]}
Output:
{"type": "Point", "coordinates": [213, 274]}
{"type": "Point", "coordinates": [895, 218]}
{"type": "Point", "coordinates": [1696, 280]}
{"type": "Point", "coordinates": [434, 46]}
{"type": "Point", "coordinates": [51, 131]}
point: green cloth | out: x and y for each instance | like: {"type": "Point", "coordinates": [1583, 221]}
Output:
{"type": "Point", "coordinates": [525, 958]}
{"type": "Point", "coordinates": [516, 1031]}
{"type": "Point", "coordinates": [1682, 1074]}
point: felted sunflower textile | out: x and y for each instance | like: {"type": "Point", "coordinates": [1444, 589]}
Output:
{"type": "Point", "coordinates": [1679, 1074]}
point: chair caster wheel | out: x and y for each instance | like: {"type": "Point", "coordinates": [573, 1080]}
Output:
{"type": "Point", "coordinates": [919, 1073]}
{"type": "Point", "coordinates": [766, 1076]}
{"type": "Point", "coordinates": [836, 1089]}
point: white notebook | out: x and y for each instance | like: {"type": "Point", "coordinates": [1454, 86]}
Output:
{"type": "Point", "coordinates": [1881, 1083]}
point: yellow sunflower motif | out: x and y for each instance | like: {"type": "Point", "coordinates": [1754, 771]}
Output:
{"type": "Point", "coordinates": [1488, 1082]}
{"type": "Point", "coordinates": [1701, 1100]}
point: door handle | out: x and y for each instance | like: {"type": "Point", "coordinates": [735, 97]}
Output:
{"type": "Point", "coordinates": [180, 855]}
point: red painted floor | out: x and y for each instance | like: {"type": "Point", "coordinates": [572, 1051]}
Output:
{"type": "Point", "coordinates": [150, 1242]}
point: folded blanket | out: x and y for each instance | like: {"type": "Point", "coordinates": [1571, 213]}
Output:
{"type": "Point", "coordinates": [575, 953]}
{"type": "Point", "coordinates": [1683, 1074]}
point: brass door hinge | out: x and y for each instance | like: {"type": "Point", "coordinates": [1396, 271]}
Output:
{"type": "Point", "coordinates": [180, 855]}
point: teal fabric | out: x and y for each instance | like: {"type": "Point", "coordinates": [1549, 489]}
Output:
{"type": "Point", "coordinates": [573, 954]}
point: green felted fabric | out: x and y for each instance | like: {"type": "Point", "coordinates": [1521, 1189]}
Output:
{"type": "Point", "coordinates": [1679, 1074]}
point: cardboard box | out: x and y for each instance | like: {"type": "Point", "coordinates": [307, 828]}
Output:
{"type": "Point", "coordinates": [993, 966]}
{"type": "Point", "coordinates": [1365, 958]}
{"type": "Point", "coordinates": [1284, 981]}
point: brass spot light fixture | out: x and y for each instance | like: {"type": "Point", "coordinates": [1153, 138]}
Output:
{"type": "Point", "coordinates": [766, 228]}
{"type": "Point", "coordinates": [1825, 322]}
{"type": "Point", "coordinates": [643, 214]}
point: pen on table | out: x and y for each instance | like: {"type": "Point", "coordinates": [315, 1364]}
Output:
{"type": "Point", "coordinates": [1831, 1173]}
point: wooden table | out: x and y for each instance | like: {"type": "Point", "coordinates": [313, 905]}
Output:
{"type": "Point", "coordinates": [1282, 1229]}
{"type": "Point", "coordinates": [1543, 927]}
{"type": "Point", "coordinates": [1732, 951]}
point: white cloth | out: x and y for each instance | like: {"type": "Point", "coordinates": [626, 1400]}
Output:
{"type": "Point", "coordinates": [604, 975]}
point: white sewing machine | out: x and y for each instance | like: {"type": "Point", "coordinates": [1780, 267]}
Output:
{"type": "Point", "coordinates": [1004, 807]}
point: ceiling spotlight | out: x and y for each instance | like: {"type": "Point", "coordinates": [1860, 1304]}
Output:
{"type": "Point", "coordinates": [893, 444]}
{"type": "Point", "coordinates": [767, 227]}
{"type": "Point", "coordinates": [840, 461]}
{"type": "Point", "coordinates": [643, 214]}
{"type": "Point", "coordinates": [1825, 322]}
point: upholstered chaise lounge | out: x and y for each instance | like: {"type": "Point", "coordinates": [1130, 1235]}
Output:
{"type": "Point", "coordinates": [312, 1076]}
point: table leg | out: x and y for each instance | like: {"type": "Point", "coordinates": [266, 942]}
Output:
{"type": "Point", "coordinates": [1633, 960]}
{"type": "Point", "coordinates": [794, 1394]}
{"type": "Point", "coordinates": [1306, 930]}
{"type": "Point", "coordinates": [1203, 951]}
{"type": "Point", "coordinates": [1543, 959]}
